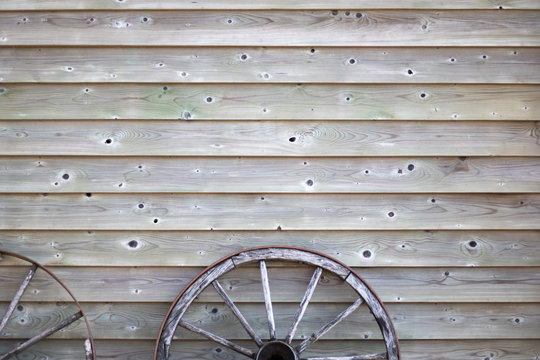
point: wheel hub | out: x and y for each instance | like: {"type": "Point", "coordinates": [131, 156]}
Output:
{"type": "Point", "coordinates": [276, 350]}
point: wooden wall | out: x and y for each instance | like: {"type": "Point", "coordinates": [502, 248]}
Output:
{"type": "Point", "coordinates": [140, 141]}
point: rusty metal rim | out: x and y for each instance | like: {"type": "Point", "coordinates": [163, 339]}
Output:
{"type": "Point", "coordinates": [259, 248]}
{"type": "Point", "coordinates": [51, 274]}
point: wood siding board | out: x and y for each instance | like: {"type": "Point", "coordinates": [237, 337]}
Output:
{"type": "Point", "coordinates": [269, 175]}
{"type": "Point", "coordinates": [133, 349]}
{"type": "Point", "coordinates": [199, 248]}
{"type": "Point", "coordinates": [412, 321]}
{"type": "Point", "coordinates": [58, 349]}
{"type": "Point", "coordinates": [17, 297]}
{"type": "Point", "coordinates": [272, 28]}
{"type": "Point", "coordinates": [269, 102]}
{"type": "Point", "coordinates": [269, 212]}
{"type": "Point", "coordinates": [46, 333]}
{"type": "Point", "coordinates": [268, 138]}
{"type": "Point", "coordinates": [403, 285]}
{"type": "Point", "coordinates": [271, 65]}
{"type": "Point", "coordinates": [142, 140]}
{"type": "Point", "coordinates": [7, 5]}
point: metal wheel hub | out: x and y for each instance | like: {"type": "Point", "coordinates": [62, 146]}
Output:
{"type": "Point", "coordinates": [276, 350]}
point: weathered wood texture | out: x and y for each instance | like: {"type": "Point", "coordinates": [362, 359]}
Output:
{"type": "Point", "coordinates": [269, 175]}
{"type": "Point", "coordinates": [268, 4]}
{"type": "Point", "coordinates": [508, 349]}
{"type": "Point", "coordinates": [268, 301]}
{"type": "Point", "coordinates": [328, 326]}
{"type": "Point", "coordinates": [418, 321]}
{"type": "Point", "coordinates": [268, 138]}
{"type": "Point", "coordinates": [273, 28]}
{"type": "Point", "coordinates": [269, 212]}
{"type": "Point", "coordinates": [218, 339]}
{"type": "Point", "coordinates": [243, 321]}
{"type": "Point", "coordinates": [271, 102]}
{"type": "Point", "coordinates": [17, 297]}
{"type": "Point", "coordinates": [410, 285]}
{"type": "Point", "coordinates": [400, 137]}
{"type": "Point", "coordinates": [271, 65]}
{"type": "Point", "coordinates": [303, 304]}
{"type": "Point", "coordinates": [45, 333]}
{"type": "Point", "coordinates": [355, 248]}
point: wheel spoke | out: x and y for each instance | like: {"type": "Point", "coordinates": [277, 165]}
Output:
{"type": "Point", "coordinates": [303, 304]}
{"type": "Point", "coordinates": [17, 297]}
{"type": "Point", "coordinates": [227, 343]}
{"type": "Point", "coordinates": [268, 301]}
{"type": "Point", "coordinates": [88, 349]}
{"type": "Point", "coordinates": [69, 320]}
{"type": "Point", "coordinates": [237, 312]}
{"type": "Point", "coordinates": [318, 263]}
{"type": "Point", "coordinates": [378, 356]}
{"type": "Point", "coordinates": [328, 326]}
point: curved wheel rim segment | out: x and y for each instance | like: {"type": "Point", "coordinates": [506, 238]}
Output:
{"type": "Point", "coordinates": [321, 262]}
{"type": "Point", "coordinates": [89, 342]}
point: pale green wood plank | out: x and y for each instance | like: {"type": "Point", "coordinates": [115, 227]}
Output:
{"type": "Point", "coordinates": [273, 4]}
{"type": "Point", "coordinates": [291, 138]}
{"type": "Point", "coordinates": [135, 284]}
{"type": "Point", "coordinates": [277, 175]}
{"type": "Point", "coordinates": [269, 212]}
{"type": "Point", "coordinates": [270, 102]}
{"type": "Point", "coordinates": [373, 248]}
{"type": "Point", "coordinates": [273, 28]}
{"type": "Point", "coordinates": [271, 65]}
{"type": "Point", "coordinates": [125, 349]}
{"type": "Point", "coordinates": [412, 321]}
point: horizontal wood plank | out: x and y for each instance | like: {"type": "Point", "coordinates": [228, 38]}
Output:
{"type": "Point", "coordinates": [373, 248]}
{"type": "Point", "coordinates": [141, 141]}
{"type": "Point", "coordinates": [272, 175]}
{"type": "Point", "coordinates": [287, 283]}
{"type": "Point", "coordinates": [412, 321]}
{"type": "Point", "coordinates": [270, 102]}
{"type": "Point", "coordinates": [508, 349]}
{"type": "Point", "coordinates": [256, 5]}
{"type": "Point", "coordinates": [194, 138]}
{"type": "Point", "coordinates": [272, 28]}
{"type": "Point", "coordinates": [58, 349]}
{"type": "Point", "coordinates": [269, 212]}
{"type": "Point", "coordinates": [271, 65]}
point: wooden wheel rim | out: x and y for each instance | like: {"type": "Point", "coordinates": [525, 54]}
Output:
{"type": "Point", "coordinates": [287, 253]}
{"type": "Point", "coordinates": [89, 344]}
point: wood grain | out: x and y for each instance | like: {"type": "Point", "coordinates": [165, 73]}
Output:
{"type": "Point", "coordinates": [400, 137]}
{"type": "Point", "coordinates": [273, 4]}
{"type": "Point", "coordinates": [270, 102]}
{"type": "Point", "coordinates": [162, 284]}
{"type": "Point", "coordinates": [17, 297]}
{"type": "Point", "coordinates": [412, 321]}
{"type": "Point", "coordinates": [270, 175]}
{"type": "Point", "coordinates": [508, 349]}
{"type": "Point", "coordinates": [58, 349]}
{"type": "Point", "coordinates": [336, 138]}
{"type": "Point", "coordinates": [272, 28]}
{"type": "Point", "coordinates": [271, 65]}
{"type": "Point", "coordinates": [200, 248]}
{"type": "Point", "coordinates": [269, 212]}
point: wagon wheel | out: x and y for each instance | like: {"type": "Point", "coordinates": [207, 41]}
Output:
{"type": "Point", "coordinates": [274, 348]}
{"type": "Point", "coordinates": [14, 305]}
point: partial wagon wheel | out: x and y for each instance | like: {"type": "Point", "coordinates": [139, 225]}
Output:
{"type": "Point", "coordinates": [33, 267]}
{"type": "Point", "coordinates": [274, 347]}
